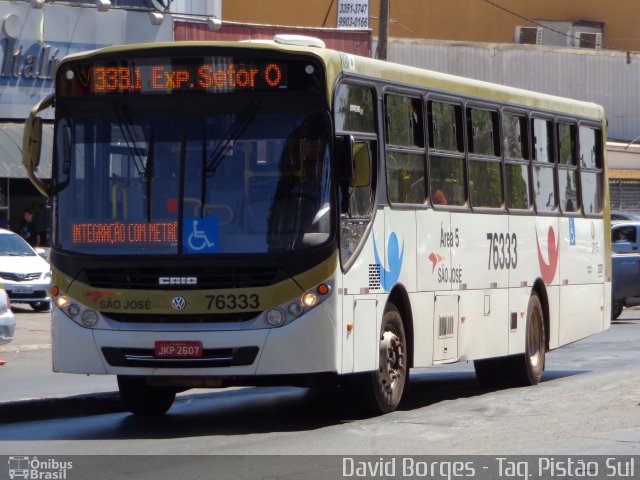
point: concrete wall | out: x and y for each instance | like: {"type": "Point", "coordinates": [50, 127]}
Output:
{"type": "Point", "coordinates": [608, 78]}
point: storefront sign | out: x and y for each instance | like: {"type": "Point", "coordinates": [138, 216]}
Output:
{"type": "Point", "coordinates": [33, 41]}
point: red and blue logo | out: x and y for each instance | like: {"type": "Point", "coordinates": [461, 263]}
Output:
{"type": "Point", "coordinates": [548, 269]}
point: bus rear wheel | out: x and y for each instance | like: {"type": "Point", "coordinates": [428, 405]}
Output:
{"type": "Point", "coordinates": [526, 369]}
{"type": "Point", "coordinates": [523, 369]}
{"type": "Point", "coordinates": [616, 309]}
{"type": "Point", "coordinates": [383, 388]}
{"type": "Point", "coordinates": [142, 399]}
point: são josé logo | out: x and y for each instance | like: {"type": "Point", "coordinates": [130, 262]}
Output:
{"type": "Point", "coordinates": [389, 276]}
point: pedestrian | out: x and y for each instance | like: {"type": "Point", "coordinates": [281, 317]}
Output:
{"type": "Point", "coordinates": [29, 230]}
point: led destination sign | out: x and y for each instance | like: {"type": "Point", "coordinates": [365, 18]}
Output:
{"type": "Point", "coordinates": [166, 78]}
{"type": "Point", "coordinates": [125, 233]}
{"type": "Point", "coordinates": [169, 76]}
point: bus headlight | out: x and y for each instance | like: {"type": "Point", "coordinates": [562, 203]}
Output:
{"type": "Point", "coordinates": [288, 312]}
{"type": "Point", "coordinates": [89, 318]}
{"type": "Point", "coordinates": [73, 310]}
{"type": "Point", "coordinates": [294, 309]}
{"type": "Point", "coordinates": [274, 317]}
{"type": "Point", "coordinates": [62, 301]}
{"type": "Point", "coordinates": [309, 299]}
{"type": "Point", "coordinates": [76, 311]}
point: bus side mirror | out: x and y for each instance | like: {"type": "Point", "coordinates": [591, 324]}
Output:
{"type": "Point", "coordinates": [32, 143]}
{"type": "Point", "coordinates": [343, 148]}
{"type": "Point", "coordinates": [361, 165]}
{"type": "Point", "coordinates": [353, 160]}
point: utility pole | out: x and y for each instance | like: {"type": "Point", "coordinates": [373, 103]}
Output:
{"type": "Point", "coordinates": [383, 30]}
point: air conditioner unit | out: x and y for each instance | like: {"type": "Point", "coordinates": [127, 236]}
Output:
{"type": "Point", "coordinates": [529, 35]}
{"type": "Point", "coordinates": [589, 40]}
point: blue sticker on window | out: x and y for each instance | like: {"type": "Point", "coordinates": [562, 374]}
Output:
{"type": "Point", "coordinates": [572, 231]}
{"type": "Point", "coordinates": [200, 235]}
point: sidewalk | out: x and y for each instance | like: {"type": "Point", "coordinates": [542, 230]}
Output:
{"type": "Point", "coordinates": [32, 390]}
{"type": "Point", "coordinates": [28, 375]}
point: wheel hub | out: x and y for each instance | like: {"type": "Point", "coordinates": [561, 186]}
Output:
{"type": "Point", "coordinates": [535, 340]}
{"type": "Point", "coordinates": [391, 361]}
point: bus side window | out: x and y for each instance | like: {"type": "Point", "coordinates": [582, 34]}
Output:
{"type": "Point", "coordinates": [485, 164]}
{"type": "Point", "coordinates": [567, 167]}
{"type": "Point", "coordinates": [361, 198]}
{"type": "Point", "coordinates": [405, 159]}
{"type": "Point", "coordinates": [354, 109]}
{"type": "Point", "coordinates": [543, 165]}
{"type": "Point", "coordinates": [591, 178]}
{"type": "Point", "coordinates": [515, 147]}
{"type": "Point", "coordinates": [446, 154]}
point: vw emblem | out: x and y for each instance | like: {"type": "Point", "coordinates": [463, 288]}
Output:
{"type": "Point", "coordinates": [178, 303]}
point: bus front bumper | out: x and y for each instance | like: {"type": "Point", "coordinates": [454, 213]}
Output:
{"type": "Point", "coordinates": [304, 346]}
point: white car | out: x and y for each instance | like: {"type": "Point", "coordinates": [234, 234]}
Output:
{"type": "Point", "coordinates": [25, 274]}
{"type": "Point", "coordinates": [7, 319]}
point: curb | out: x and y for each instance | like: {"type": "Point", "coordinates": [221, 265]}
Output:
{"type": "Point", "coordinates": [46, 408]}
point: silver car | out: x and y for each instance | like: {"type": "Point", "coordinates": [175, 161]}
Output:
{"type": "Point", "coordinates": [26, 276]}
{"type": "Point", "coordinates": [7, 319]}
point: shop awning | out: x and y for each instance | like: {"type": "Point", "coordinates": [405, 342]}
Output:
{"type": "Point", "coordinates": [11, 151]}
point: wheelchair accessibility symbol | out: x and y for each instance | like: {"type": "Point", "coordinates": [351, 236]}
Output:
{"type": "Point", "coordinates": [200, 235]}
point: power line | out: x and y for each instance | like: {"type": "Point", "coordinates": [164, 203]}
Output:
{"type": "Point", "coordinates": [324, 22]}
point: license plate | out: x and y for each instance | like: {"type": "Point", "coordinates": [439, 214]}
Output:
{"type": "Point", "coordinates": [178, 350]}
{"type": "Point", "coordinates": [21, 289]}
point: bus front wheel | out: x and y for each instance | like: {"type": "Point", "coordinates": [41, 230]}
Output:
{"type": "Point", "coordinates": [382, 389]}
{"type": "Point", "coordinates": [144, 400]}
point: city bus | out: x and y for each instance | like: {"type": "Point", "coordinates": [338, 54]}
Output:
{"type": "Point", "coordinates": [279, 213]}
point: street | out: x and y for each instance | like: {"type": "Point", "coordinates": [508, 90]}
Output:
{"type": "Point", "coordinates": [587, 403]}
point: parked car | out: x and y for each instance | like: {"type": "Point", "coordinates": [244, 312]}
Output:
{"type": "Point", "coordinates": [25, 274]}
{"type": "Point", "coordinates": [617, 216]}
{"type": "Point", "coordinates": [7, 318]}
{"type": "Point", "coordinates": [625, 260]}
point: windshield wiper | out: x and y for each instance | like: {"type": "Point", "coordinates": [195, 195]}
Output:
{"type": "Point", "coordinates": [210, 163]}
{"type": "Point", "coordinates": [144, 169]}
{"type": "Point", "coordinates": [149, 172]}
{"type": "Point", "coordinates": [125, 124]}
{"type": "Point", "coordinates": [233, 133]}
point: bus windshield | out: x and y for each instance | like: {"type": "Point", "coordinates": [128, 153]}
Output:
{"type": "Point", "coordinates": [246, 181]}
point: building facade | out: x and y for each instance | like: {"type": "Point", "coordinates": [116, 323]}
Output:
{"type": "Point", "coordinates": [493, 21]}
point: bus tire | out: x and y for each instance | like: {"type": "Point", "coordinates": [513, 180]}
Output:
{"type": "Point", "coordinates": [142, 399]}
{"type": "Point", "coordinates": [616, 309]}
{"type": "Point", "coordinates": [526, 369]}
{"type": "Point", "coordinates": [383, 389]}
